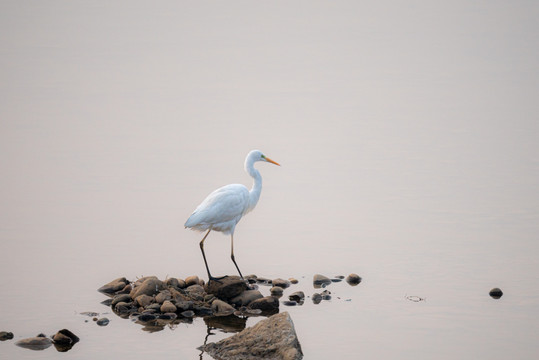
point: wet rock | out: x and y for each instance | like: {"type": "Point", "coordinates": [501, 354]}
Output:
{"type": "Point", "coordinates": [35, 343]}
{"type": "Point", "coordinates": [289, 303]}
{"type": "Point", "coordinates": [316, 298]}
{"type": "Point", "coordinates": [188, 313]}
{"type": "Point", "coordinates": [353, 279]}
{"type": "Point", "coordinates": [5, 335]}
{"type": "Point", "coordinates": [320, 281]}
{"type": "Point", "coordinates": [202, 311]}
{"type": "Point", "coordinates": [192, 280]}
{"type": "Point", "coordinates": [297, 296]}
{"type": "Point", "coordinates": [65, 337]}
{"type": "Point", "coordinates": [293, 280]}
{"type": "Point", "coordinates": [272, 338]}
{"type": "Point", "coordinates": [339, 277]}
{"type": "Point", "coordinates": [168, 307]}
{"type": "Point", "coordinates": [268, 303]}
{"type": "Point", "coordinates": [336, 280]}
{"type": "Point", "coordinates": [221, 308]}
{"type": "Point", "coordinates": [281, 283]}
{"type": "Point", "coordinates": [251, 278]}
{"type": "Point", "coordinates": [496, 293]}
{"type": "Point", "coordinates": [226, 288]}
{"type": "Point", "coordinates": [184, 305]}
{"type": "Point", "coordinates": [263, 281]}
{"type": "Point", "coordinates": [168, 316]}
{"type": "Point", "coordinates": [147, 317]}
{"type": "Point", "coordinates": [120, 298]}
{"type": "Point", "coordinates": [123, 307]}
{"type": "Point", "coordinates": [173, 282]}
{"type": "Point", "coordinates": [246, 297]}
{"type": "Point", "coordinates": [126, 290]}
{"type": "Point", "coordinates": [144, 300]}
{"type": "Point", "coordinates": [155, 307]}
{"type": "Point", "coordinates": [150, 286]}
{"type": "Point", "coordinates": [276, 291]}
{"type": "Point", "coordinates": [113, 286]}
{"type": "Point", "coordinates": [103, 322]}
{"type": "Point", "coordinates": [162, 296]}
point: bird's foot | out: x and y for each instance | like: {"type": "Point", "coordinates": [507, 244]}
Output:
{"type": "Point", "coordinates": [216, 279]}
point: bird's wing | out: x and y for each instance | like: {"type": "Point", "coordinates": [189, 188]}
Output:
{"type": "Point", "coordinates": [223, 205]}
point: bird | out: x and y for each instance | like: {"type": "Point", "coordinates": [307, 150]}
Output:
{"type": "Point", "coordinates": [223, 208]}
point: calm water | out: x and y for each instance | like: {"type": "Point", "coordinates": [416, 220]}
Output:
{"type": "Point", "coordinates": [408, 141]}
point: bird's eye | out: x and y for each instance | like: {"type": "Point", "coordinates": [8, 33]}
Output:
{"type": "Point", "coordinates": [263, 157]}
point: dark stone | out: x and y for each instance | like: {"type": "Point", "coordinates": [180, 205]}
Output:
{"type": "Point", "coordinates": [188, 313]}
{"type": "Point", "coordinates": [147, 317]}
{"type": "Point", "coordinates": [321, 281]}
{"type": "Point", "coordinates": [289, 303]}
{"type": "Point", "coordinates": [246, 297]}
{"type": "Point", "coordinates": [281, 283]}
{"type": "Point", "coordinates": [280, 342]}
{"type": "Point", "coordinates": [353, 279]}
{"type": "Point", "coordinates": [221, 308]}
{"type": "Point", "coordinates": [120, 298]}
{"type": "Point", "coordinates": [496, 293]}
{"type": "Point", "coordinates": [226, 288]}
{"type": "Point", "coordinates": [297, 296]}
{"type": "Point", "coordinates": [316, 298]}
{"type": "Point", "coordinates": [65, 337]}
{"type": "Point", "coordinates": [276, 291]}
{"type": "Point", "coordinates": [268, 303]}
{"type": "Point", "coordinates": [103, 322]}
{"type": "Point", "coordinates": [5, 335]}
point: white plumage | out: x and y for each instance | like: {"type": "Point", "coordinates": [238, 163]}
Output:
{"type": "Point", "coordinates": [224, 208]}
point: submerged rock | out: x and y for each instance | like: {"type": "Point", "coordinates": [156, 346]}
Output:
{"type": "Point", "coordinates": [321, 281]}
{"type": "Point", "coordinates": [353, 279]}
{"type": "Point", "coordinates": [6, 335]}
{"type": "Point", "coordinates": [272, 338]}
{"type": "Point", "coordinates": [35, 343]}
{"type": "Point", "coordinates": [496, 293]}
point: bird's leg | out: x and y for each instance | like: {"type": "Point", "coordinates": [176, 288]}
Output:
{"type": "Point", "coordinates": [232, 254]}
{"type": "Point", "coordinates": [210, 278]}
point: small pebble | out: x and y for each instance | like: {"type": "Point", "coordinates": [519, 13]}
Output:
{"type": "Point", "coordinates": [320, 281]}
{"type": "Point", "coordinates": [353, 279]}
{"type": "Point", "coordinates": [496, 293]}
{"type": "Point", "coordinates": [297, 296]}
{"type": "Point", "coordinates": [293, 280]}
{"type": "Point", "coordinates": [103, 322]}
{"type": "Point", "coordinates": [316, 298]}
{"type": "Point", "coordinates": [289, 303]}
{"type": "Point", "coordinates": [276, 291]}
{"type": "Point", "coordinates": [5, 335]}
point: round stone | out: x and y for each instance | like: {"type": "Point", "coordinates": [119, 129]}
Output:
{"type": "Point", "coordinates": [496, 293]}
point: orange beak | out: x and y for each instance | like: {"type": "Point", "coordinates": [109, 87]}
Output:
{"type": "Point", "coordinates": [271, 161]}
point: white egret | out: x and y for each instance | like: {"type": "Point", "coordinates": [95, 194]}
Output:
{"type": "Point", "coordinates": [224, 207]}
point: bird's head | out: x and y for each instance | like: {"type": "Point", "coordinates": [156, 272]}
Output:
{"type": "Point", "coordinates": [257, 155]}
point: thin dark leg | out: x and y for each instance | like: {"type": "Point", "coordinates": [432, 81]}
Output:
{"type": "Point", "coordinates": [232, 254]}
{"type": "Point", "coordinates": [210, 278]}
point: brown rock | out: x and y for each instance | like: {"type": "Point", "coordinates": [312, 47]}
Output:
{"type": "Point", "coordinates": [272, 338]}
{"type": "Point", "coordinates": [150, 286]}
{"type": "Point", "coordinates": [113, 286]}
{"type": "Point", "coordinates": [246, 297]}
{"type": "Point", "coordinates": [192, 280]}
{"type": "Point", "coordinates": [168, 307]}
{"type": "Point", "coordinates": [35, 343]}
{"type": "Point", "coordinates": [226, 288]}
{"type": "Point", "coordinates": [162, 296]}
{"type": "Point", "coordinates": [268, 303]}
{"type": "Point", "coordinates": [144, 300]}
{"type": "Point", "coordinates": [221, 308]}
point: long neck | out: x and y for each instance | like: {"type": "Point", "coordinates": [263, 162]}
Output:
{"type": "Point", "coordinates": [254, 194]}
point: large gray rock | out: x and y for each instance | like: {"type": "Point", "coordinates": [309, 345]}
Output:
{"type": "Point", "coordinates": [149, 286]}
{"type": "Point", "coordinates": [272, 338]}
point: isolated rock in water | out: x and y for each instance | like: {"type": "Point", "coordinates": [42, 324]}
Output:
{"type": "Point", "coordinates": [316, 298]}
{"type": "Point", "coordinates": [320, 280]}
{"type": "Point", "coordinates": [35, 343]}
{"type": "Point", "coordinates": [65, 337]}
{"type": "Point", "coordinates": [496, 293]}
{"type": "Point", "coordinates": [281, 283]}
{"type": "Point", "coordinates": [246, 297]}
{"type": "Point", "coordinates": [353, 279]}
{"type": "Point", "coordinates": [268, 303]}
{"type": "Point", "coordinates": [272, 338]}
{"type": "Point", "coordinates": [226, 288]}
{"type": "Point", "coordinates": [293, 280]}
{"type": "Point", "coordinates": [5, 335]}
{"type": "Point", "coordinates": [114, 286]}
{"type": "Point", "coordinates": [149, 286]}
{"type": "Point", "coordinates": [103, 322]}
{"type": "Point", "coordinates": [297, 296]}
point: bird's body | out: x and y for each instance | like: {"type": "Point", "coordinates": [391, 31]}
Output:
{"type": "Point", "coordinates": [224, 207]}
